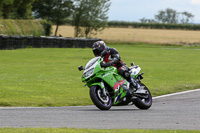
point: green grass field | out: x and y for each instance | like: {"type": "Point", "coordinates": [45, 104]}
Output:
{"type": "Point", "coordinates": [49, 76]}
{"type": "Point", "coordinates": [73, 130]}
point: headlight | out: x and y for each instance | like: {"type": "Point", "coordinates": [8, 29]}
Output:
{"type": "Point", "coordinates": [88, 73]}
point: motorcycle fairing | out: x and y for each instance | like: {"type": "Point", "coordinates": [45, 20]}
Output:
{"type": "Point", "coordinates": [114, 80]}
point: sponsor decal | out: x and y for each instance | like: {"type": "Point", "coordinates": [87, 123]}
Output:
{"type": "Point", "coordinates": [106, 75]}
{"type": "Point", "coordinates": [117, 98]}
{"type": "Point", "coordinates": [118, 84]}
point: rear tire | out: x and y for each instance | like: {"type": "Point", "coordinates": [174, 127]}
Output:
{"type": "Point", "coordinates": [100, 101]}
{"type": "Point", "coordinates": [144, 103]}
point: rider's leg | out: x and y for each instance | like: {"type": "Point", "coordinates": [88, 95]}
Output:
{"type": "Point", "coordinates": [123, 71]}
{"type": "Point", "coordinates": [134, 83]}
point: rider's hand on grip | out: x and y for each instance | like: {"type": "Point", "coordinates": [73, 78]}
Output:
{"type": "Point", "coordinates": [104, 64]}
{"type": "Point", "coordinates": [104, 53]}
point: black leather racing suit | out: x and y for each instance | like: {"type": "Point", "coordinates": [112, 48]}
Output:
{"type": "Point", "coordinates": [112, 58]}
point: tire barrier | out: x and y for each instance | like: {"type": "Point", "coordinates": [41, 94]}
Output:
{"type": "Point", "coordinates": [16, 42]}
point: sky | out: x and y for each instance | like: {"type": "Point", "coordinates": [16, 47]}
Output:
{"type": "Point", "coordinates": [134, 10]}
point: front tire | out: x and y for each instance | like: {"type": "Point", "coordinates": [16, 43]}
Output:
{"type": "Point", "coordinates": [100, 101]}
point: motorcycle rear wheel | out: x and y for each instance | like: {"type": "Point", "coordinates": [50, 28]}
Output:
{"type": "Point", "coordinates": [144, 103]}
{"type": "Point", "coordinates": [100, 101]}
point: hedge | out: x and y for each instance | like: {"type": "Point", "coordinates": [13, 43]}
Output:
{"type": "Point", "coordinates": [125, 24]}
{"type": "Point", "coordinates": [153, 25]}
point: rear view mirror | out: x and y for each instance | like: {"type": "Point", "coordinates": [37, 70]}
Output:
{"type": "Point", "coordinates": [80, 68]}
{"type": "Point", "coordinates": [133, 64]}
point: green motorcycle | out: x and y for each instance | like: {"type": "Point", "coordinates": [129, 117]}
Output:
{"type": "Point", "coordinates": [108, 88]}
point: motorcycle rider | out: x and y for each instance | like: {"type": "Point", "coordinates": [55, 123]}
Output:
{"type": "Point", "coordinates": [112, 58]}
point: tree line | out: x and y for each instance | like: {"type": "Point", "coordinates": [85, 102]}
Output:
{"type": "Point", "coordinates": [170, 16]}
{"type": "Point", "coordinates": [18, 9]}
{"type": "Point", "coordinates": [164, 19]}
{"type": "Point", "coordinates": [125, 24]}
{"type": "Point", "coordinates": [87, 16]}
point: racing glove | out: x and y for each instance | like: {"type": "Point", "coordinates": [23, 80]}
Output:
{"type": "Point", "coordinates": [103, 64]}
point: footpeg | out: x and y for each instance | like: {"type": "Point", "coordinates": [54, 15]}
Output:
{"type": "Point", "coordinates": [140, 91]}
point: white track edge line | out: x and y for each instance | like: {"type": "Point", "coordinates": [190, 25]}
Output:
{"type": "Point", "coordinates": [177, 93]}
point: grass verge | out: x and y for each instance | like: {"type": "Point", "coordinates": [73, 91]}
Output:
{"type": "Point", "coordinates": [73, 130]}
{"type": "Point", "coordinates": [49, 77]}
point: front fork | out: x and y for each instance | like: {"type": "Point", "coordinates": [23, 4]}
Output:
{"type": "Point", "coordinates": [101, 84]}
{"type": "Point", "coordinates": [104, 89]}
{"type": "Point", "coordinates": [122, 93]}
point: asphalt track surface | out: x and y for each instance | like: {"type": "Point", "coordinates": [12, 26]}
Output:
{"type": "Point", "coordinates": [180, 111]}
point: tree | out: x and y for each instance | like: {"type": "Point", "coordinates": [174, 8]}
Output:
{"type": "Point", "coordinates": [90, 16]}
{"type": "Point", "coordinates": [167, 16]}
{"type": "Point", "coordinates": [186, 17]}
{"type": "Point", "coordinates": [53, 10]}
{"type": "Point", "coordinates": [22, 9]}
{"type": "Point", "coordinates": [16, 9]}
{"type": "Point", "coordinates": [5, 8]}
{"type": "Point", "coordinates": [172, 16]}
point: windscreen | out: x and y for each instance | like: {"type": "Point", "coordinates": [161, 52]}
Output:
{"type": "Point", "coordinates": [91, 62]}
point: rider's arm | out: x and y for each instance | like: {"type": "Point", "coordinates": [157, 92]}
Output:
{"type": "Point", "coordinates": [115, 58]}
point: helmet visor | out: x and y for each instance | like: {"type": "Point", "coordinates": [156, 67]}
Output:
{"type": "Point", "coordinates": [96, 52]}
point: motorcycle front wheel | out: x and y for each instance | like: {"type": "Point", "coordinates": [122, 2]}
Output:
{"type": "Point", "coordinates": [100, 101]}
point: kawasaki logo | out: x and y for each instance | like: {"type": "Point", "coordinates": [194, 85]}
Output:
{"type": "Point", "coordinates": [106, 75]}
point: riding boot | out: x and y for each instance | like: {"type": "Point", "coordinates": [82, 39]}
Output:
{"type": "Point", "coordinates": [137, 89]}
{"type": "Point", "coordinates": [134, 84]}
